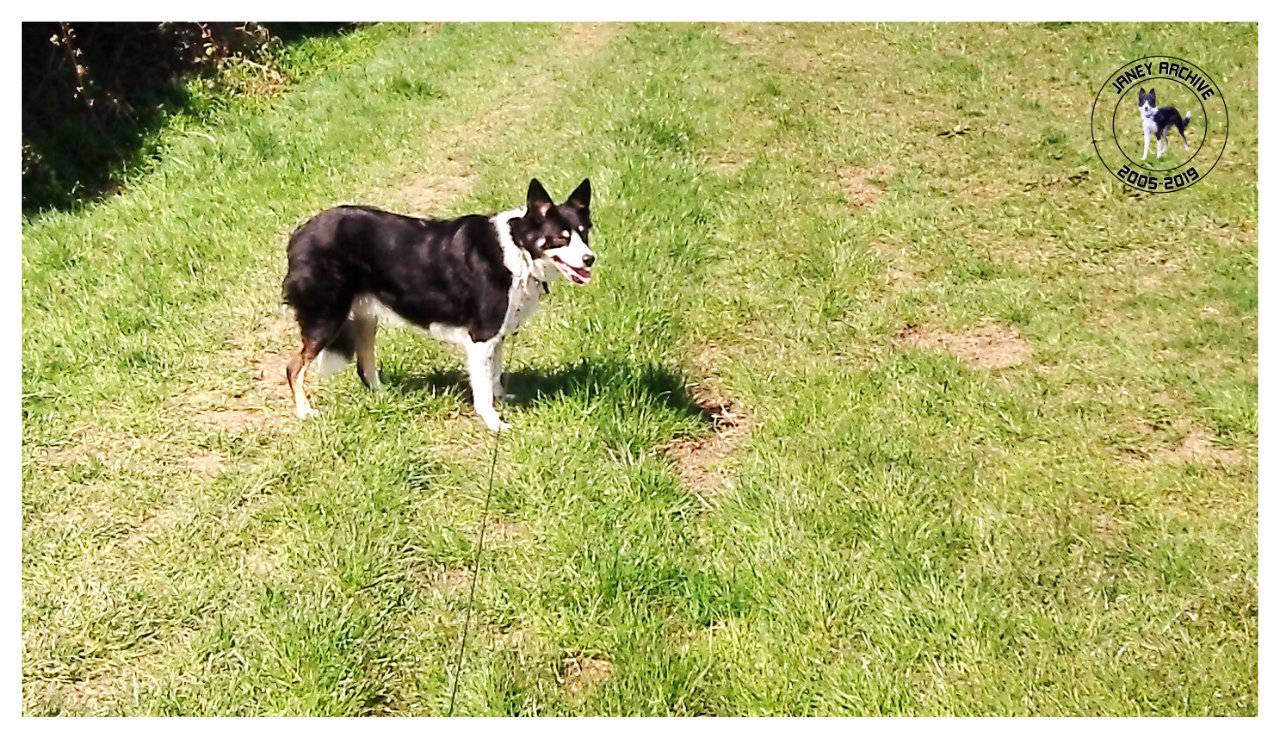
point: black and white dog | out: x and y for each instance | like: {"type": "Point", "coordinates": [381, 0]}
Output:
{"type": "Point", "coordinates": [1158, 121]}
{"type": "Point", "coordinates": [470, 281]}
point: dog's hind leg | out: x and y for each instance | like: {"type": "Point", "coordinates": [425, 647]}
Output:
{"type": "Point", "coordinates": [364, 329]}
{"type": "Point", "coordinates": [316, 337]}
{"type": "Point", "coordinates": [296, 374]}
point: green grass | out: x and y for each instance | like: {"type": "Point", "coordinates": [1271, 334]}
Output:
{"type": "Point", "coordinates": [904, 532]}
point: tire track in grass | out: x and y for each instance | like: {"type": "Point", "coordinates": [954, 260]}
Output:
{"type": "Point", "coordinates": [444, 180]}
{"type": "Point", "coordinates": [437, 185]}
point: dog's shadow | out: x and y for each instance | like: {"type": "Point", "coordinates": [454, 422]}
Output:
{"type": "Point", "coordinates": [654, 383]}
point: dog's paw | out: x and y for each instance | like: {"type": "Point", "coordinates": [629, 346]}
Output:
{"type": "Point", "coordinates": [496, 424]}
{"type": "Point", "coordinates": [307, 412]}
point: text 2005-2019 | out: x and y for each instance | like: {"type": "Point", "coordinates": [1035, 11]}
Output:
{"type": "Point", "coordinates": [1155, 183]}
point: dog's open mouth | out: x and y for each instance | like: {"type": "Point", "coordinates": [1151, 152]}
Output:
{"type": "Point", "coordinates": [580, 275]}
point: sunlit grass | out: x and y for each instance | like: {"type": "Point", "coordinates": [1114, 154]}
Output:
{"type": "Point", "coordinates": [906, 531]}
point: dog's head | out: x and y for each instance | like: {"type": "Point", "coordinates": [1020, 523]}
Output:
{"type": "Point", "coordinates": [1147, 102]}
{"type": "Point", "coordinates": [558, 233]}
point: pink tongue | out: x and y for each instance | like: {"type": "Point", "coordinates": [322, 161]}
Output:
{"type": "Point", "coordinates": [578, 275]}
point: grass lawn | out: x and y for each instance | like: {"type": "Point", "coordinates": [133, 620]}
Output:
{"type": "Point", "coordinates": [886, 397]}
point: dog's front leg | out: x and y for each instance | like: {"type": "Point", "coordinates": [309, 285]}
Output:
{"type": "Point", "coordinates": [496, 374]}
{"type": "Point", "coordinates": [480, 368]}
{"type": "Point", "coordinates": [1146, 142]}
{"type": "Point", "coordinates": [495, 371]}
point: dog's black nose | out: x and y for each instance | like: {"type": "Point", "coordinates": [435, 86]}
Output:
{"type": "Point", "coordinates": [588, 260]}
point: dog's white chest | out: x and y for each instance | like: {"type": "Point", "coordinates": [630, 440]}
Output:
{"type": "Point", "coordinates": [522, 303]}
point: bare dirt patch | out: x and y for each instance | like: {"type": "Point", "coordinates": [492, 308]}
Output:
{"type": "Point", "coordinates": [705, 462]}
{"type": "Point", "coordinates": [1235, 234]}
{"type": "Point", "coordinates": [1140, 440]}
{"type": "Point", "coordinates": [1023, 252]}
{"type": "Point", "coordinates": [588, 38]}
{"type": "Point", "coordinates": [502, 530]}
{"type": "Point", "coordinates": [777, 44]}
{"type": "Point", "coordinates": [427, 192]}
{"type": "Point", "coordinates": [978, 189]}
{"type": "Point", "coordinates": [894, 253]}
{"type": "Point", "coordinates": [209, 463]}
{"type": "Point", "coordinates": [441, 580]}
{"type": "Point", "coordinates": [888, 249]}
{"type": "Point", "coordinates": [579, 673]}
{"type": "Point", "coordinates": [734, 33]}
{"type": "Point", "coordinates": [164, 518]}
{"type": "Point", "coordinates": [975, 189]}
{"type": "Point", "coordinates": [1108, 530]}
{"type": "Point", "coordinates": [119, 452]}
{"type": "Point", "coordinates": [90, 445]}
{"type": "Point", "coordinates": [265, 402]}
{"type": "Point", "coordinates": [987, 346]}
{"type": "Point", "coordinates": [1197, 446]}
{"type": "Point", "coordinates": [1158, 270]}
{"type": "Point", "coordinates": [1027, 254]}
{"type": "Point", "coordinates": [862, 185]}
{"type": "Point", "coordinates": [901, 276]}
{"type": "Point", "coordinates": [229, 412]}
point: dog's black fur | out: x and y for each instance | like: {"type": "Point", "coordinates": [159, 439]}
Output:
{"type": "Point", "coordinates": [428, 272]}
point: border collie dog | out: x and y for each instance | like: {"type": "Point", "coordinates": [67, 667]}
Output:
{"type": "Point", "coordinates": [470, 281]}
{"type": "Point", "coordinates": [1158, 121]}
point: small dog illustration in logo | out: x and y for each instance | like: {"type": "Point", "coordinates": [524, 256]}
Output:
{"type": "Point", "coordinates": [1158, 121]}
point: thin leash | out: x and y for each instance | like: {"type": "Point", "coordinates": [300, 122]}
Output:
{"type": "Point", "coordinates": [475, 570]}
{"type": "Point", "coordinates": [475, 564]}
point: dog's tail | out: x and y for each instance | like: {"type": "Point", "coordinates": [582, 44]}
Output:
{"type": "Point", "coordinates": [1186, 121]}
{"type": "Point", "coordinates": [340, 352]}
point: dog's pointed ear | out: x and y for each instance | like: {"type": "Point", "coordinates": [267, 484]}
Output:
{"type": "Point", "coordinates": [1141, 92]}
{"type": "Point", "coordinates": [581, 197]}
{"type": "Point", "coordinates": [539, 200]}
